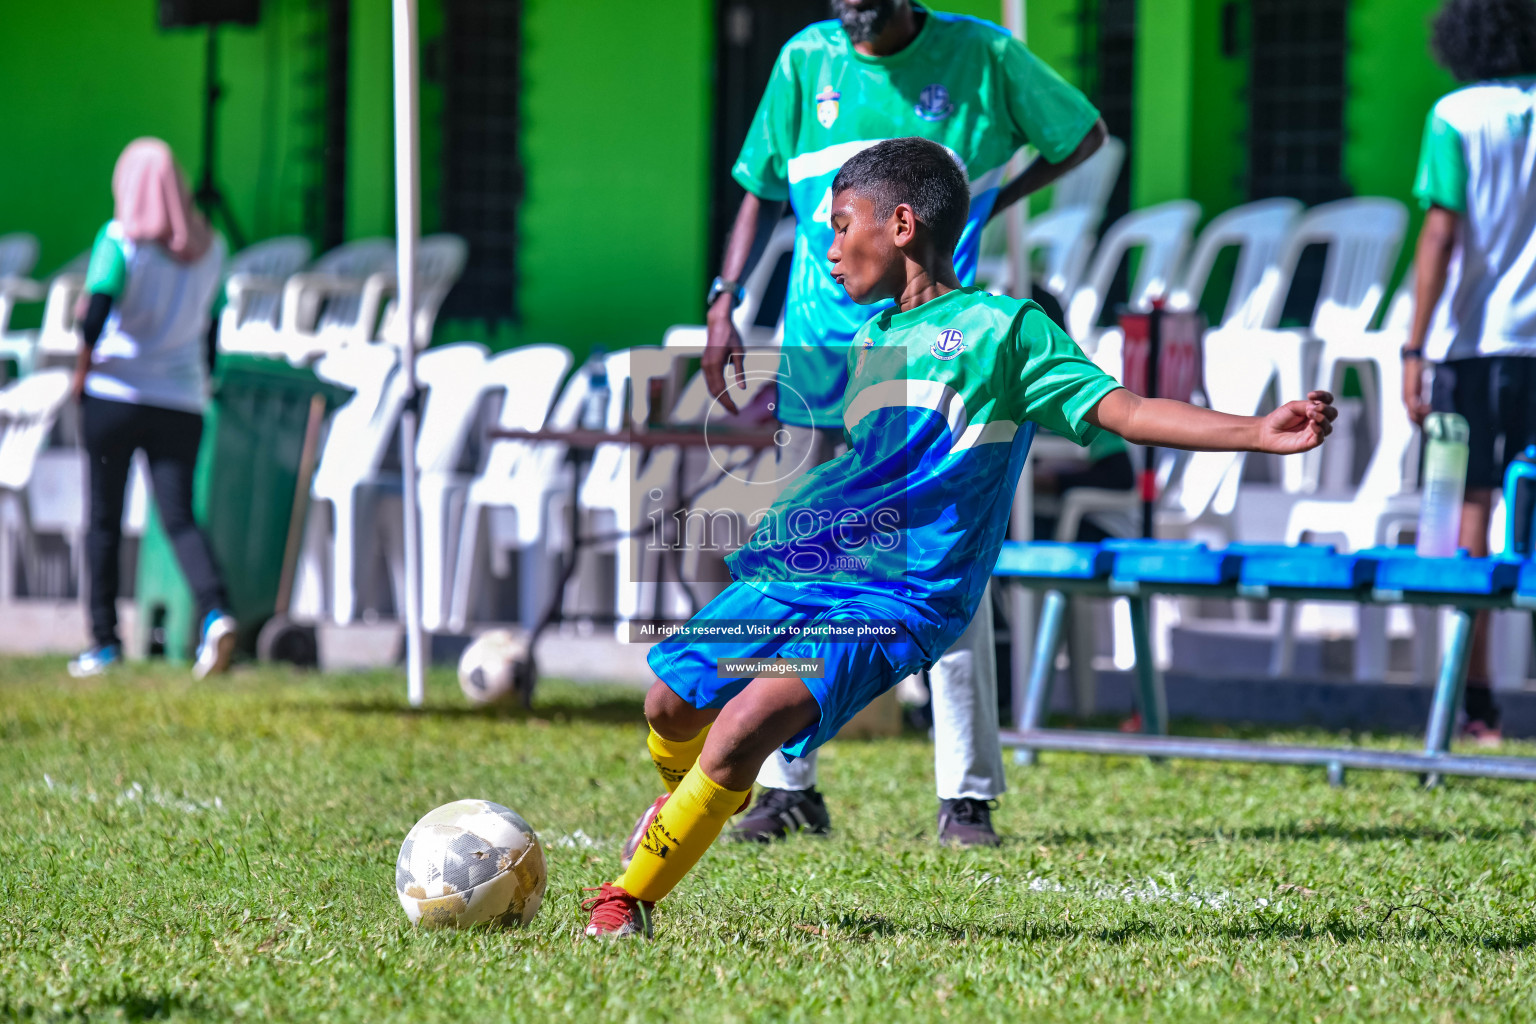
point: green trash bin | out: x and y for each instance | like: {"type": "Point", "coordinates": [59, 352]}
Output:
{"type": "Point", "coordinates": [242, 497]}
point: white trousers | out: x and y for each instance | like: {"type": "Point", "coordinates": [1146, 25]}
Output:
{"type": "Point", "coordinates": [968, 759]}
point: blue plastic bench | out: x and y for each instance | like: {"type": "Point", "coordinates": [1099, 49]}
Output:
{"type": "Point", "coordinates": [1137, 569]}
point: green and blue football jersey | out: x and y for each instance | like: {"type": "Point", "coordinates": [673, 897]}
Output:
{"type": "Point", "coordinates": [941, 406]}
{"type": "Point", "coordinates": [962, 82]}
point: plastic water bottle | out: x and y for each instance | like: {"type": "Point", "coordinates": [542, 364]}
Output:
{"type": "Point", "coordinates": [1520, 504]}
{"type": "Point", "coordinates": [594, 414]}
{"type": "Point", "coordinates": [1445, 484]}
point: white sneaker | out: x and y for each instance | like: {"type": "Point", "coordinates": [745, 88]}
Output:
{"type": "Point", "coordinates": [217, 646]}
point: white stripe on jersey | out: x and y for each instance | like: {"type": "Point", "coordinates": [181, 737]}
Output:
{"type": "Point", "coordinates": [934, 395]}
{"type": "Point", "coordinates": [825, 161]}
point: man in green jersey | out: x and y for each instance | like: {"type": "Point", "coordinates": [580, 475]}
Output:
{"type": "Point", "coordinates": [872, 564]}
{"type": "Point", "coordinates": [885, 69]}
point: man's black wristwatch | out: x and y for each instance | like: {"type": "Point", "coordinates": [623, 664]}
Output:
{"type": "Point", "coordinates": [720, 286]}
{"type": "Point", "coordinates": [1410, 352]}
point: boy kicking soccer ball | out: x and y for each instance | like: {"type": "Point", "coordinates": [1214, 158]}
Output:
{"type": "Point", "coordinates": [871, 565]}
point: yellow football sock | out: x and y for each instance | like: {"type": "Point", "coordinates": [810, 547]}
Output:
{"type": "Point", "coordinates": [672, 759]}
{"type": "Point", "coordinates": [680, 833]}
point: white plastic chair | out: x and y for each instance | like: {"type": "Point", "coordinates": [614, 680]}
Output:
{"type": "Point", "coordinates": [253, 292]}
{"type": "Point", "coordinates": [355, 447]}
{"type": "Point", "coordinates": [1090, 184]}
{"type": "Point", "coordinates": [440, 262]}
{"type": "Point", "coordinates": [454, 379]}
{"type": "Point", "coordinates": [1362, 236]}
{"type": "Point", "coordinates": [614, 495]}
{"type": "Point", "coordinates": [1063, 238]}
{"type": "Point", "coordinates": [1259, 231]}
{"type": "Point", "coordinates": [1207, 482]}
{"type": "Point", "coordinates": [28, 409]}
{"type": "Point", "coordinates": [18, 254]}
{"type": "Point", "coordinates": [1162, 233]}
{"type": "Point", "coordinates": [511, 494]}
{"type": "Point", "coordinates": [754, 289]}
{"type": "Point", "coordinates": [1386, 503]}
{"type": "Point", "coordinates": [324, 306]}
{"type": "Point", "coordinates": [731, 484]}
{"type": "Point", "coordinates": [56, 341]}
{"type": "Point", "coordinates": [1385, 506]}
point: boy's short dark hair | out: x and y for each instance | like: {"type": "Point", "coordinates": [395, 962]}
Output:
{"type": "Point", "coordinates": [917, 172]}
{"type": "Point", "coordinates": [1478, 40]}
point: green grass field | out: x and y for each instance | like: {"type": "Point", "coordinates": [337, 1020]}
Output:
{"type": "Point", "coordinates": [175, 851]}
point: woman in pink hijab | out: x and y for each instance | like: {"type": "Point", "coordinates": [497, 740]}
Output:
{"type": "Point", "coordinates": [142, 381]}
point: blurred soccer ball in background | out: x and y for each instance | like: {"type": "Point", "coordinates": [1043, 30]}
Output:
{"type": "Point", "coordinates": [494, 667]}
{"type": "Point", "coordinates": [471, 862]}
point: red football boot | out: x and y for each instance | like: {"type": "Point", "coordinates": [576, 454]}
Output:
{"type": "Point", "coordinates": [616, 914]}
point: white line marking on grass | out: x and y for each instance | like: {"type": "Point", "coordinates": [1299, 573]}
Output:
{"type": "Point", "coordinates": [135, 793]}
{"type": "Point", "coordinates": [1150, 891]}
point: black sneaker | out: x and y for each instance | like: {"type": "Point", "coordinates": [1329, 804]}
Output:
{"type": "Point", "coordinates": [778, 812]}
{"type": "Point", "coordinates": [967, 822]}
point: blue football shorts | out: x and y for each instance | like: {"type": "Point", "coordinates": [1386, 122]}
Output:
{"type": "Point", "coordinates": [881, 652]}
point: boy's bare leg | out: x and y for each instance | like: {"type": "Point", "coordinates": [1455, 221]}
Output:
{"type": "Point", "coordinates": [754, 724]}
{"type": "Point", "coordinates": [1482, 715]}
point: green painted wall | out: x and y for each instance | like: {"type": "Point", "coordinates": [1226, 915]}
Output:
{"type": "Point", "coordinates": [370, 122]}
{"type": "Point", "coordinates": [89, 92]}
{"type": "Point", "coordinates": [77, 97]}
{"type": "Point", "coordinates": [1165, 81]}
{"type": "Point", "coordinates": [616, 121]}
{"type": "Point", "coordinates": [615, 147]}
{"type": "Point", "coordinates": [1393, 82]}
{"type": "Point", "coordinates": [1219, 115]}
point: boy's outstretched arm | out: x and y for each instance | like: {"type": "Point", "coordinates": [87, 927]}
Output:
{"type": "Point", "coordinates": [1292, 428]}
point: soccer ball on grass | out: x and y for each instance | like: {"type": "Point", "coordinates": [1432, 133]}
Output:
{"type": "Point", "coordinates": [497, 668]}
{"type": "Point", "coordinates": [471, 862]}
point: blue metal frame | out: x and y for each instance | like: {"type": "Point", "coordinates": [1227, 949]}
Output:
{"type": "Point", "coordinates": [1139, 569]}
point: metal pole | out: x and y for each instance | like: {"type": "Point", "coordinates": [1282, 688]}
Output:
{"type": "Point", "coordinates": [407, 228]}
{"type": "Point", "coordinates": [1017, 219]}
{"type": "Point", "coordinates": [1149, 681]}
{"type": "Point", "coordinates": [1021, 600]}
{"type": "Point", "coordinates": [1032, 711]}
{"type": "Point", "coordinates": [1449, 686]}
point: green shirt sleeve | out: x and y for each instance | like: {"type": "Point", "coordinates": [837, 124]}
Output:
{"type": "Point", "coordinates": [1442, 176]}
{"type": "Point", "coordinates": [1057, 385]}
{"type": "Point", "coordinates": [1047, 111]}
{"type": "Point", "coordinates": [108, 270]}
{"type": "Point", "coordinates": [763, 166]}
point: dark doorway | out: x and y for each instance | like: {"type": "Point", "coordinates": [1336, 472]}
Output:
{"type": "Point", "coordinates": [748, 37]}
{"type": "Point", "coordinates": [1296, 100]}
{"type": "Point", "coordinates": [482, 175]}
{"type": "Point", "coordinates": [333, 177]}
{"type": "Point", "coordinates": [1296, 119]}
{"type": "Point", "coordinates": [318, 34]}
{"type": "Point", "coordinates": [1107, 69]}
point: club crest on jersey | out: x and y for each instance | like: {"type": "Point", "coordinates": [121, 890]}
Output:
{"type": "Point", "coordinates": [858, 367]}
{"type": "Point", "coordinates": [948, 344]}
{"type": "Point", "coordinates": [933, 103]}
{"type": "Point", "coordinates": [826, 106]}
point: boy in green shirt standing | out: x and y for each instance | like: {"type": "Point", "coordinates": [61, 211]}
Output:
{"type": "Point", "coordinates": [869, 566]}
{"type": "Point", "coordinates": [1474, 317]}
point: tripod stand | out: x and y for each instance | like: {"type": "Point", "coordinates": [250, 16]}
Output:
{"type": "Point", "coordinates": [208, 194]}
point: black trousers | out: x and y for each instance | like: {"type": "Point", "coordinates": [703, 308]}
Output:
{"type": "Point", "coordinates": [169, 438]}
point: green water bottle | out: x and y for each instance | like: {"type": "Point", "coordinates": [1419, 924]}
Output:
{"type": "Point", "coordinates": [1445, 484]}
